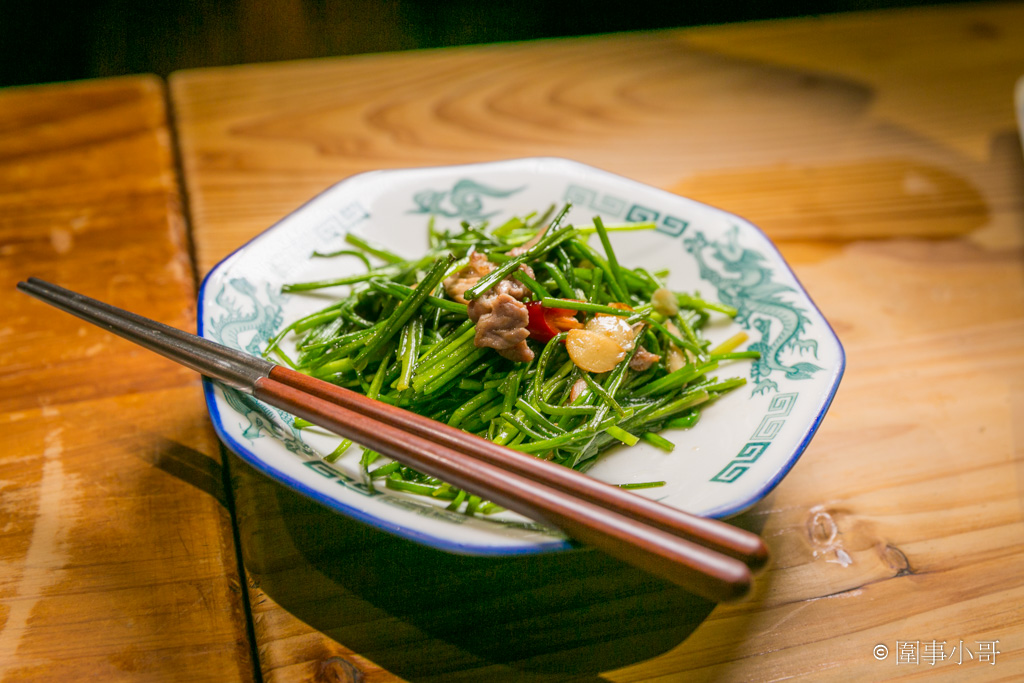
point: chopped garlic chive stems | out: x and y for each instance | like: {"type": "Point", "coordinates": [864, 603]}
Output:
{"type": "Point", "coordinates": [563, 285]}
{"type": "Point", "coordinates": [386, 271]}
{"type": "Point", "coordinates": [603, 393]}
{"type": "Point", "coordinates": [411, 339]}
{"type": "Point", "coordinates": [683, 375]}
{"type": "Point", "coordinates": [676, 339]}
{"type": "Point", "coordinates": [615, 270]}
{"type": "Point", "coordinates": [619, 227]}
{"type": "Point", "coordinates": [394, 481]}
{"type": "Point", "coordinates": [536, 388]}
{"type": "Point", "coordinates": [684, 324]}
{"type": "Point", "coordinates": [736, 355]}
{"type": "Point", "coordinates": [542, 247]}
{"type": "Point", "coordinates": [535, 222]}
{"type": "Point", "coordinates": [345, 252]}
{"type": "Point", "coordinates": [688, 301]}
{"type": "Point", "coordinates": [457, 501]}
{"type": "Point", "coordinates": [338, 451]}
{"type": "Point", "coordinates": [585, 275]}
{"type": "Point", "coordinates": [642, 485]}
{"type": "Point", "coordinates": [524, 426]}
{"type": "Point", "coordinates": [329, 314]}
{"type": "Point", "coordinates": [472, 405]}
{"type": "Point", "coordinates": [535, 415]}
{"type": "Point", "coordinates": [538, 289]}
{"type": "Point", "coordinates": [584, 252]}
{"type": "Point", "coordinates": [438, 365]}
{"type": "Point", "coordinates": [462, 333]}
{"type": "Point", "coordinates": [633, 280]}
{"type": "Point", "coordinates": [688, 400]}
{"type": "Point", "coordinates": [403, 291]}
{"type": "Point", "coordinates": [378, 378]}
{"type": "Point", "coordinates": [511, 225]}
{"type": "Point", "coordinates": [684, 421]}
{"type": "Point", "coordinates": [373, 249]}
{"type": "Point", "coordinates": [725, 385]}
{"type": "Point", "coordinates": [553, 302]}
{"type": "Point", "coordinates": [405, 310]}
{"type": "Point", "coordinates": [282, 356]}
{"type": "Point", "coordinates": [510, 390]}
{"type": "Point", "coordinates": [453, 373]}
{"type": "Point", "coordinates": [654, 282]}
{"type": "Point", "coordinates": [568, 438]}
{"type": "Point", "coordinates": [622, 435]}
{"type": "Point", "coordinates": [658, 441]}
{"type": "Point", "coordinates": [395, 334]}
{"type": "Point", "coordinates": [730, 344]}
{"type": "Point", "coordinates": [595, 285]}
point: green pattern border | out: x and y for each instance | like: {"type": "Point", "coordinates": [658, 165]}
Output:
{"type": "Point", "coordinates": [778, 410]}
{"type": "Point", "coordinates": [325, 470]}
{"type": "Point", "coordinates": [616, 207]}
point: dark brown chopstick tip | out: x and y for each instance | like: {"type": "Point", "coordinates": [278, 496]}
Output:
{"type": "Point", "coordinates": [733, 592]}
{"type": "Point", "coordinates": [758, 556]}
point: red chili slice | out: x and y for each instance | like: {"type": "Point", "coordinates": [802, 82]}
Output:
{"type": "Point", "coordinates": [542, 323]}
{"type": "Point", "coordinates": [540, 328]}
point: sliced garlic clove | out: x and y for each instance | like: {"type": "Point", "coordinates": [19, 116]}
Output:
{"type": "Point", "coordinates": [593, 351]}
{"type": "Point", "coordinates": [615, 328]}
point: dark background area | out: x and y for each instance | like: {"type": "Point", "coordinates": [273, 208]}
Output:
{"type": "Point", "coordinates": [44, 41]}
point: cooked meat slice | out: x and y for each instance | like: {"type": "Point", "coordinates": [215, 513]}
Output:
{"type": "Point", "coordinates": [456, 284]}
{"type": "Point", "coordinates": [499, 313]}
{"type": "Point", "coordinates": [643, 359]}
{"type": "Point", "coordinates": [520, 353]}
{"type": "Point", "coordinates": [513, 287]}
{"type": "Point", "coordinates": [501, 321]}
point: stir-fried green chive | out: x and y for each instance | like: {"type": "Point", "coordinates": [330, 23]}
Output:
{"type": "Point", "coordinates": [345, 252]}
{"type": "Point", "coordinates": [412, 338]}
{"type": "Point", "coordinates": [539, 292]}
{"type": "Point", "coordinates": [555, 273]}
{"type": "Point", "coordinates": [658, 441]}
{"type": "Point", "coordinates": [552, 302]}
{"type": "Point", "coordinates": [399, 337]}
{"type": "Point", "coordinates": [642, 485]}
{"type": "Point", "coordinates": [404, 311]}
{"type": "Point", "coordinates": [373, 249]}
{"type": "Point", "coordinates": [614, 269]}
{"type": "Point", "coordinates": [384, 271]}
{"type": "Point", "coordinates": [542, 247]}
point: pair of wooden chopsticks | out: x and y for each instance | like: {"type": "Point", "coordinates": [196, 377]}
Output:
{"type": "Point", "coordinates": [709, 557]}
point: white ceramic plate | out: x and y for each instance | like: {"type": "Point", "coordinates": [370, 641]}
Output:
{"type": "Point", "coordinates": [741, 448]}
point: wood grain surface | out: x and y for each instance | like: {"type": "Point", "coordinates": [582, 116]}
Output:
{"type": "Point", "coordinates": [117, 553]}
{"type": "Point", "coordinates": [880, 151]}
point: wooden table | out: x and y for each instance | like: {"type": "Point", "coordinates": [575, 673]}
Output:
{"type": "Point", "coordinates": [117, 547]}
{"type": "Point", "coordinates": [879, 150]}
